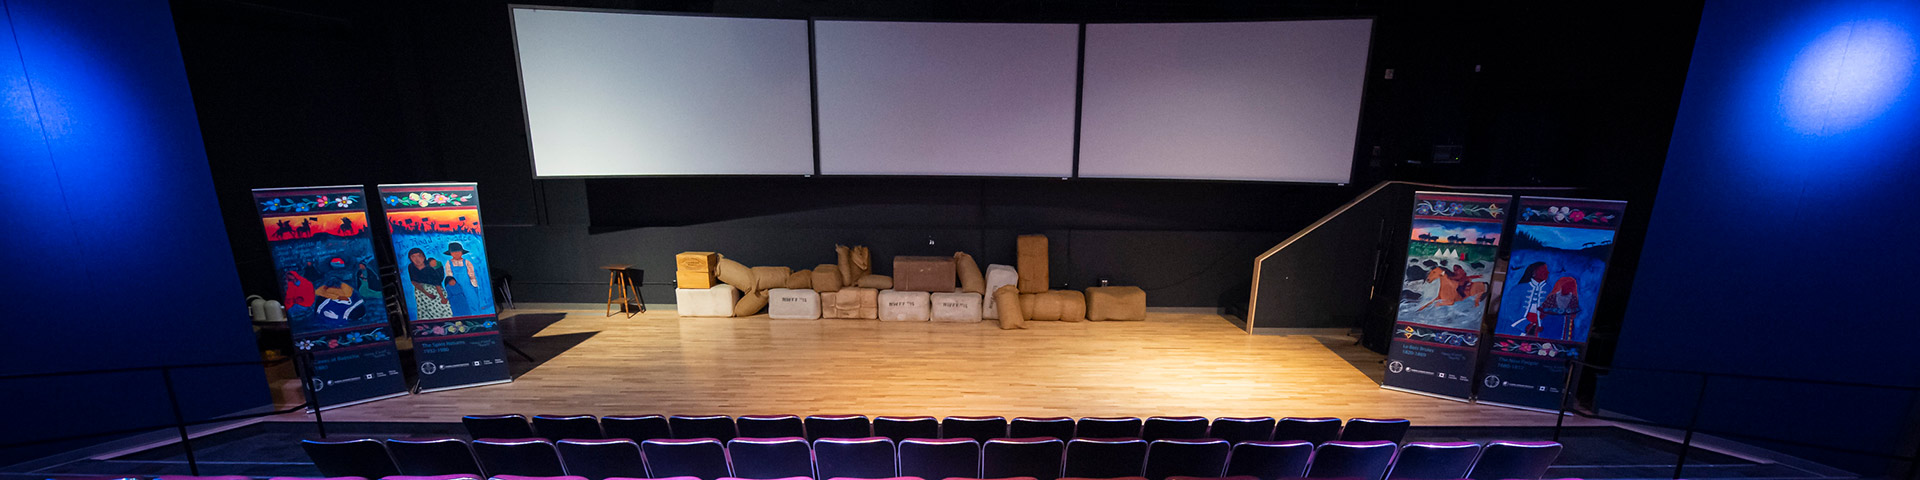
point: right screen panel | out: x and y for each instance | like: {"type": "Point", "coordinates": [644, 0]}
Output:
{"type": "Point", "coordinates": [1266, 101]}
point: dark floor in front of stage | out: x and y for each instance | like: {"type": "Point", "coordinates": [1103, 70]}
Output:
{"type": "Point", "coordinates": [272, 449]}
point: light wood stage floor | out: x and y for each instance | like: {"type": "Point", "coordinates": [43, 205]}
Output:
{"type": "Point", "coordinates": [1171, 364]}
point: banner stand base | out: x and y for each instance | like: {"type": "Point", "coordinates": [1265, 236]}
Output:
{"type": "Point", "coordinates": [1522, 407]}
{"type": "Point", "coordinates": [1429, 394]}
{"type": "Point", "coordinates": [470, 385]}
{"type": "Point", "coordinates": [357, 402]}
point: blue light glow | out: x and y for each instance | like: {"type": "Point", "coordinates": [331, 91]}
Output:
{"type": "Point", "coordinates": [1847, 77]}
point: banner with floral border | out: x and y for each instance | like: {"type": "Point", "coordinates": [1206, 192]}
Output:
{"type": "Point", "coordinates": [329, 277]}
{"type": "Point", "coordinates": [1451, 251]}
{"type": "Point", "coordinates": [445, 284]}
{"type": "Point", "coordinates": [1561, 247]}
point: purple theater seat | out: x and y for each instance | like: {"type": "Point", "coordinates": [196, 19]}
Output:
{"type": "Point", "coordinates": [1311, 429]}
{"type": "Point", "coordinates": [598, 459]}
{"type": "Point", "coordinates": [1103, 478]}
{"type": "Point", "coordinates": [658, 478]}
{"type": "Point", "coordinates": [1358, 460]}
{"type": "Point", "coordinates": [838, 426]}
{"type": "Point", "coordinates": [1173, 428]}
{"type": "Point", "coordinates": [560, 427]}
{"type": "Point", "coordinates": [1370, 429]}
{"type": "Point", "coordinates": [705, 458]}
{"type": "Point", "coordinates": [1001, 478]}
{"type": "Point", "coordinates": [1429, 461]}
{"type": "Point", "coordinates": [525, 477]}
{"type": "Point", "coordinates": [1107, 427]}
{"type": "Point", "coordinates": [360, 457]}
{"type": "Point", "coordinates": [433, 456]}
{"type": "Point", "coordinates": [497, 426]}
{"type": "Point", "coordinates": [980, 429]}
{"type": "Point", "coordinates": [1205, 457]}
{"type": "Point", "coordinates": [939, 457]}
{"type": "Point", "coordinates": [1037, 457]}
{"type": "Point", "coordinates": [1237, 477]}
{"type": "Point", "coordinates": [203, 477]}
{"type": "Point", "coordinates": [1514, 460]}
{"type": "Point", "coordinates": [460, 476]}
{"type": "Point", "coordinates": [316, 478]}
{"type": "Point", "coordinates": [781, 478]}
{"type": "Point", "coordinates": [868, 457]}
{"type": "Point", "coordinates": [902, 428]}
{"type": "Point", "coordinates": [527, 457]}
{"type": "Point", "coordinates": [717, 427]}
{"type": "Point", "coordinates": [778, 457]}
{"type": "Point", "coordinates": [868, 478]}
{"type": "Point", "coordinates": [1270, 460]}
{"type": "Point", "coordinates": [638, 428]}
{"type": "Point", "coordinates": [769, 426]}
{"type": "Point", "coordinates": [1242, 429]}
{"type": "Point", "coordinates": [1028, 427]}
{"type": "Point", "coordinates": [1105, 457]}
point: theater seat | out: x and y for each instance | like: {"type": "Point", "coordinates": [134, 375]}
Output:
{"type": "Point", "coordinates": [838, 426]}
{"type": "Point", "coordinates": [938, 457]}
{"type": "Point", "coordinates": [497, 426]}
{"type": "Point", "coordinates": [1026, 427]}
{"type": "Point", "coordinates": [717, 427]}
{"type": "Point", "coordinates": [1515, 460]}
{"type": "Point", "coordinates": [1357, 460]}
{"type": "Point", "coordinates": [598, 459]}
{"type": "Point", "coordinates": [1270, 460]}
{"type": "Point", "coordinates": [1310, 429]}
{"type": "Point", "coordinates": [1037, 457]}
{"type": "Point", "coordinates": [1105, 457]}
{"type": "Point", "coordinates": [1370, 429]}
{"type": "Point", "coordinates": [980, 429]}
{"type": "Point", "coordinates": [433, 457]}
{"type": "Point", "coordinates": [869, 457]}
{"type": "Point", "coordinates": [525, 477]}
{"type": "Point", "coordinates": [769, 426]}
{"type": "Point", "coordinates": [1242, 429]}
{"type": "Point", "coordinates": [555, 428]}
{"type": "Point", "coordinates": [462, 476]}
{"type": "Point", "coordinates": [705, 458]}
{"type": "Point", "coordinates": [363, 457]}
{"type": "Point", "coordinates": [763, 458]}
{"type": "Point", "coordinates": [1195, 457]}
{"type": "Point", "coordinates": [902, 428]}
{"type": "Point", "coordinates": [1173, 428]}
{"type": "Point", "coordinates": [1107, 427]}
{"type": "Point", "coordinates": [529, 457]}
{"type": "Point", "coordinates": [315, 478]}
{"type": "Point", "coordinates": [1420, 460]}
{"type": "Point", "coordinates": [638, 428]}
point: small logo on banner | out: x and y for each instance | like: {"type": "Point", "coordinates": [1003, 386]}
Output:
{"type": "Point", "coordinates": [1493, 381]}
{"type": "Point", "coordinates": [428, 368]}
{"type": "Point", "coordinates": [1396, 367]}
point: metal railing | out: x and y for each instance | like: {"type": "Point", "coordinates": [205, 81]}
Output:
{"type": "Point", "coordinates": [303, 367]}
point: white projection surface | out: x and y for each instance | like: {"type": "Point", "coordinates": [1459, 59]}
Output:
{"type": "Point", "coordinates": [611, 94]}
{"type": "Point", "coordinates": [911, 98]}
{"type": "Point", "coordinates": [1266, 101]}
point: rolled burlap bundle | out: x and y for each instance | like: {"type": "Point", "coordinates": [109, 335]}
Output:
{"type": "Point", "coordinates": [876, 282]}
{"type": "Point", "coordinates": [826, 278]}
{"type": "Point", "coordinates": [751, 304]}
{"type": "Point", "coordinates": [1008, 300]}
{"type": "Point", "coordinates": [971, 281]}
{"type": "Point", "coordinates": [1073, 305]}
{"type": "Point", "coordinates": [855, 262]}
{"type": "Point", "coordinates": [800, 280]}
{"type": "Point", "coordinates": [737, 275]}
{"type": "Point", "coordinates": [768, 278]}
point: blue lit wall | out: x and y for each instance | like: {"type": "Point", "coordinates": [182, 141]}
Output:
{"type": "Point", "coordinates": [1780, 243]}
{"type": "Point", "coordinates": [113, 250]}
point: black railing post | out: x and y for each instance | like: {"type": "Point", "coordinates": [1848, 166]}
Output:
{"type": "Point", "coordinates": [1686, 442]}
{"type": "Point", "coordinates": [313, 396]}
{"type": "Point", "coordinates": [179, 420]}
{"type": "Point", "coordinates": [1560, 419]}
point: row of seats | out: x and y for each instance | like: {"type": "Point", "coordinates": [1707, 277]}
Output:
{"type": "Point", "coordinates": [723, 428]}
{"type": "Point", "coordinates": [1043, 458]}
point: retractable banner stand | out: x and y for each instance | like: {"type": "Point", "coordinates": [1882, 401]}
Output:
{"type": "Point", "coordinates": [445, 284]}
{"type": "Point", "coordinates": [1450, 258]}
{"type": "Point", "coordinates": [330, 280]}
{"type": "Point", "coordinates": [1560, 252]}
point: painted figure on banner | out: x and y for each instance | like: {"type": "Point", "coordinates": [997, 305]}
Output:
{"type": "Point", "coordinates": [1558, 276]}
{"type": "Point", "coordinates": [429, 297]}
{"type": "Point", "coordinates": [1448, 266]}
{"type": "Point", "coordinates": [446, 266]}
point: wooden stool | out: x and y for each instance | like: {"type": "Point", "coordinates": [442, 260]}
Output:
{"type": "Point", "coordinates": [621, 278]}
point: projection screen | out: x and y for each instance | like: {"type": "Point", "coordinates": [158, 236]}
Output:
{"type": "Point", "coordinates": [912, 98]}
{"type": "Point", "coordinates": [610, 94]}
{"type": "Point", "coordinates": [1268, 101]}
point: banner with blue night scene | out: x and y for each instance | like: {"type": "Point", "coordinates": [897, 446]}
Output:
{"type": "Point", "coordinates": [445, 284]}
{"type": "Point", "coordinates": [1560, 252]}
{"type": "Point", "coordinates": [1450, 259]}
{"type": "Point", "coordinates": [323, 257]}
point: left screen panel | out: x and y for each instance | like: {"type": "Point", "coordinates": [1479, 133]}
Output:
{"type": "Point", "coordinates": [622, 94]}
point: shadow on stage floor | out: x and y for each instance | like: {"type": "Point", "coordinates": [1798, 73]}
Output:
{"type": "Point", "coordinates": [530, 351]}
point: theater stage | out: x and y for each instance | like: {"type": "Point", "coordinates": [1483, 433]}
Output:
{"type": "Point", "coordinates": [1171, 364]}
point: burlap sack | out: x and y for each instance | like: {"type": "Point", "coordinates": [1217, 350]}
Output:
{"type": "Point", "coordinates": [737, 275]}
{"type": "Point", "coordinates": [876, 282]}
{"type": "Point", "coordinates": [1116, 303]}
{"type": "Point", "coordinates": [826, 278]}
{"type": "Point", "coordinates": [1073, 305]}
{"type": "Point", "coordinates": [1062, 305]}
{"type": "Point", "coordinates": [1007, 299]}
{"type": "Point", "coordinates": [971, 281]}
{"type": "Point", "coordinates": [855, 262]}
{"type": "Point", "coordinates": [800, 280]}
{"type": "Point", "coordinates": [768, 278]}
{"type": "Point", "coordinates": [866, 300]}
{"type": "Point", "coordinates": [1032, 262]}
{"type": "Point", "coordinates": [750, 304]}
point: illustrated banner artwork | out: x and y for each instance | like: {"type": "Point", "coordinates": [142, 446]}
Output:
{"type": "Point", "coordinates": [1560, 252]}
{"type": "Point", "coordinates": [323, 257]}
{"type": "Point", "coordinates": [445, 284]}
{"type": "Point", "coordinates": [1450, 259]}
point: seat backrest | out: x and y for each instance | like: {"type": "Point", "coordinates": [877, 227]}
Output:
{"type": "Point", "coordinates": [638, 428]}
{"type": "Point", "coordinates": [463, 476]}
{"type": "Point", "coordinates": [497, 426]}
{"type": "Point", "coordinates": [717, 427]}
{"type": "Point", "coordinates": [1205, 457]}
{"type": "Point", "coordinates": [705, 458]}
{"type": "Point", "coordinates": [1242, 429]}
{"type": "Point", "coordinates": [361, 457]}
{"type": "Point", "coordinates": [1420, 460]}
{"type": "Point", "coordinates": [1107, 427]}
{"type": "Point", "coordinates": [1270, 460]}
{"type": "Point", "coordinates": [938, 457]}
{"type": "Point", "coordinates": [433, 456]}
{"type": "Point", "coordinates": [1176, 428]}
{"type": "Point", "coordinates": [902, 428]}
{"type": "Point", "coordinates": [559, 427]}
{"type": "Point", "coordinates": [1028, 427]}
{"type": "Point", "coordinates": [1105, 457]}
{"type": "Point", "coordinates": [980, 429]}
{"type": "Point", "coordinates": [838, 426]}
{"type": "Point", "coordinates": [1515, 460]}
{"type": "Point", "coordinates": [1358, 460]}
{"type": "Point", "coordinates": [531, 457]}
{"type": "Point", "coordinates": [1312, 429]}
{"type": "Point", "coordinates": [1370, 429]}
{"type": "Point", "coordinates": [867, 457]}
{"type": "Point", "coordinates": [769, 426]}
{"type": "Point", "coordinates": [1037, 457]}
{"type": "Point", "coordinates": [527, 477]}
{"type": "Point", "coordinates": [776, 457]}
{"type": "Point", "coordinates": [599, 459]}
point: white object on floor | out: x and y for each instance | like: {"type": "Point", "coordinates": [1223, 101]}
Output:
{"type": "Point", "coordinates": [898, 306]}
{"type": "Point", "coordinates": [956, 307]}
{"type": "Point", "coordinates": [706, 302]}
{"type": "Point", "coordinates": [793, 304]}
{"type": "Point", "coordinates": [997, 275]}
